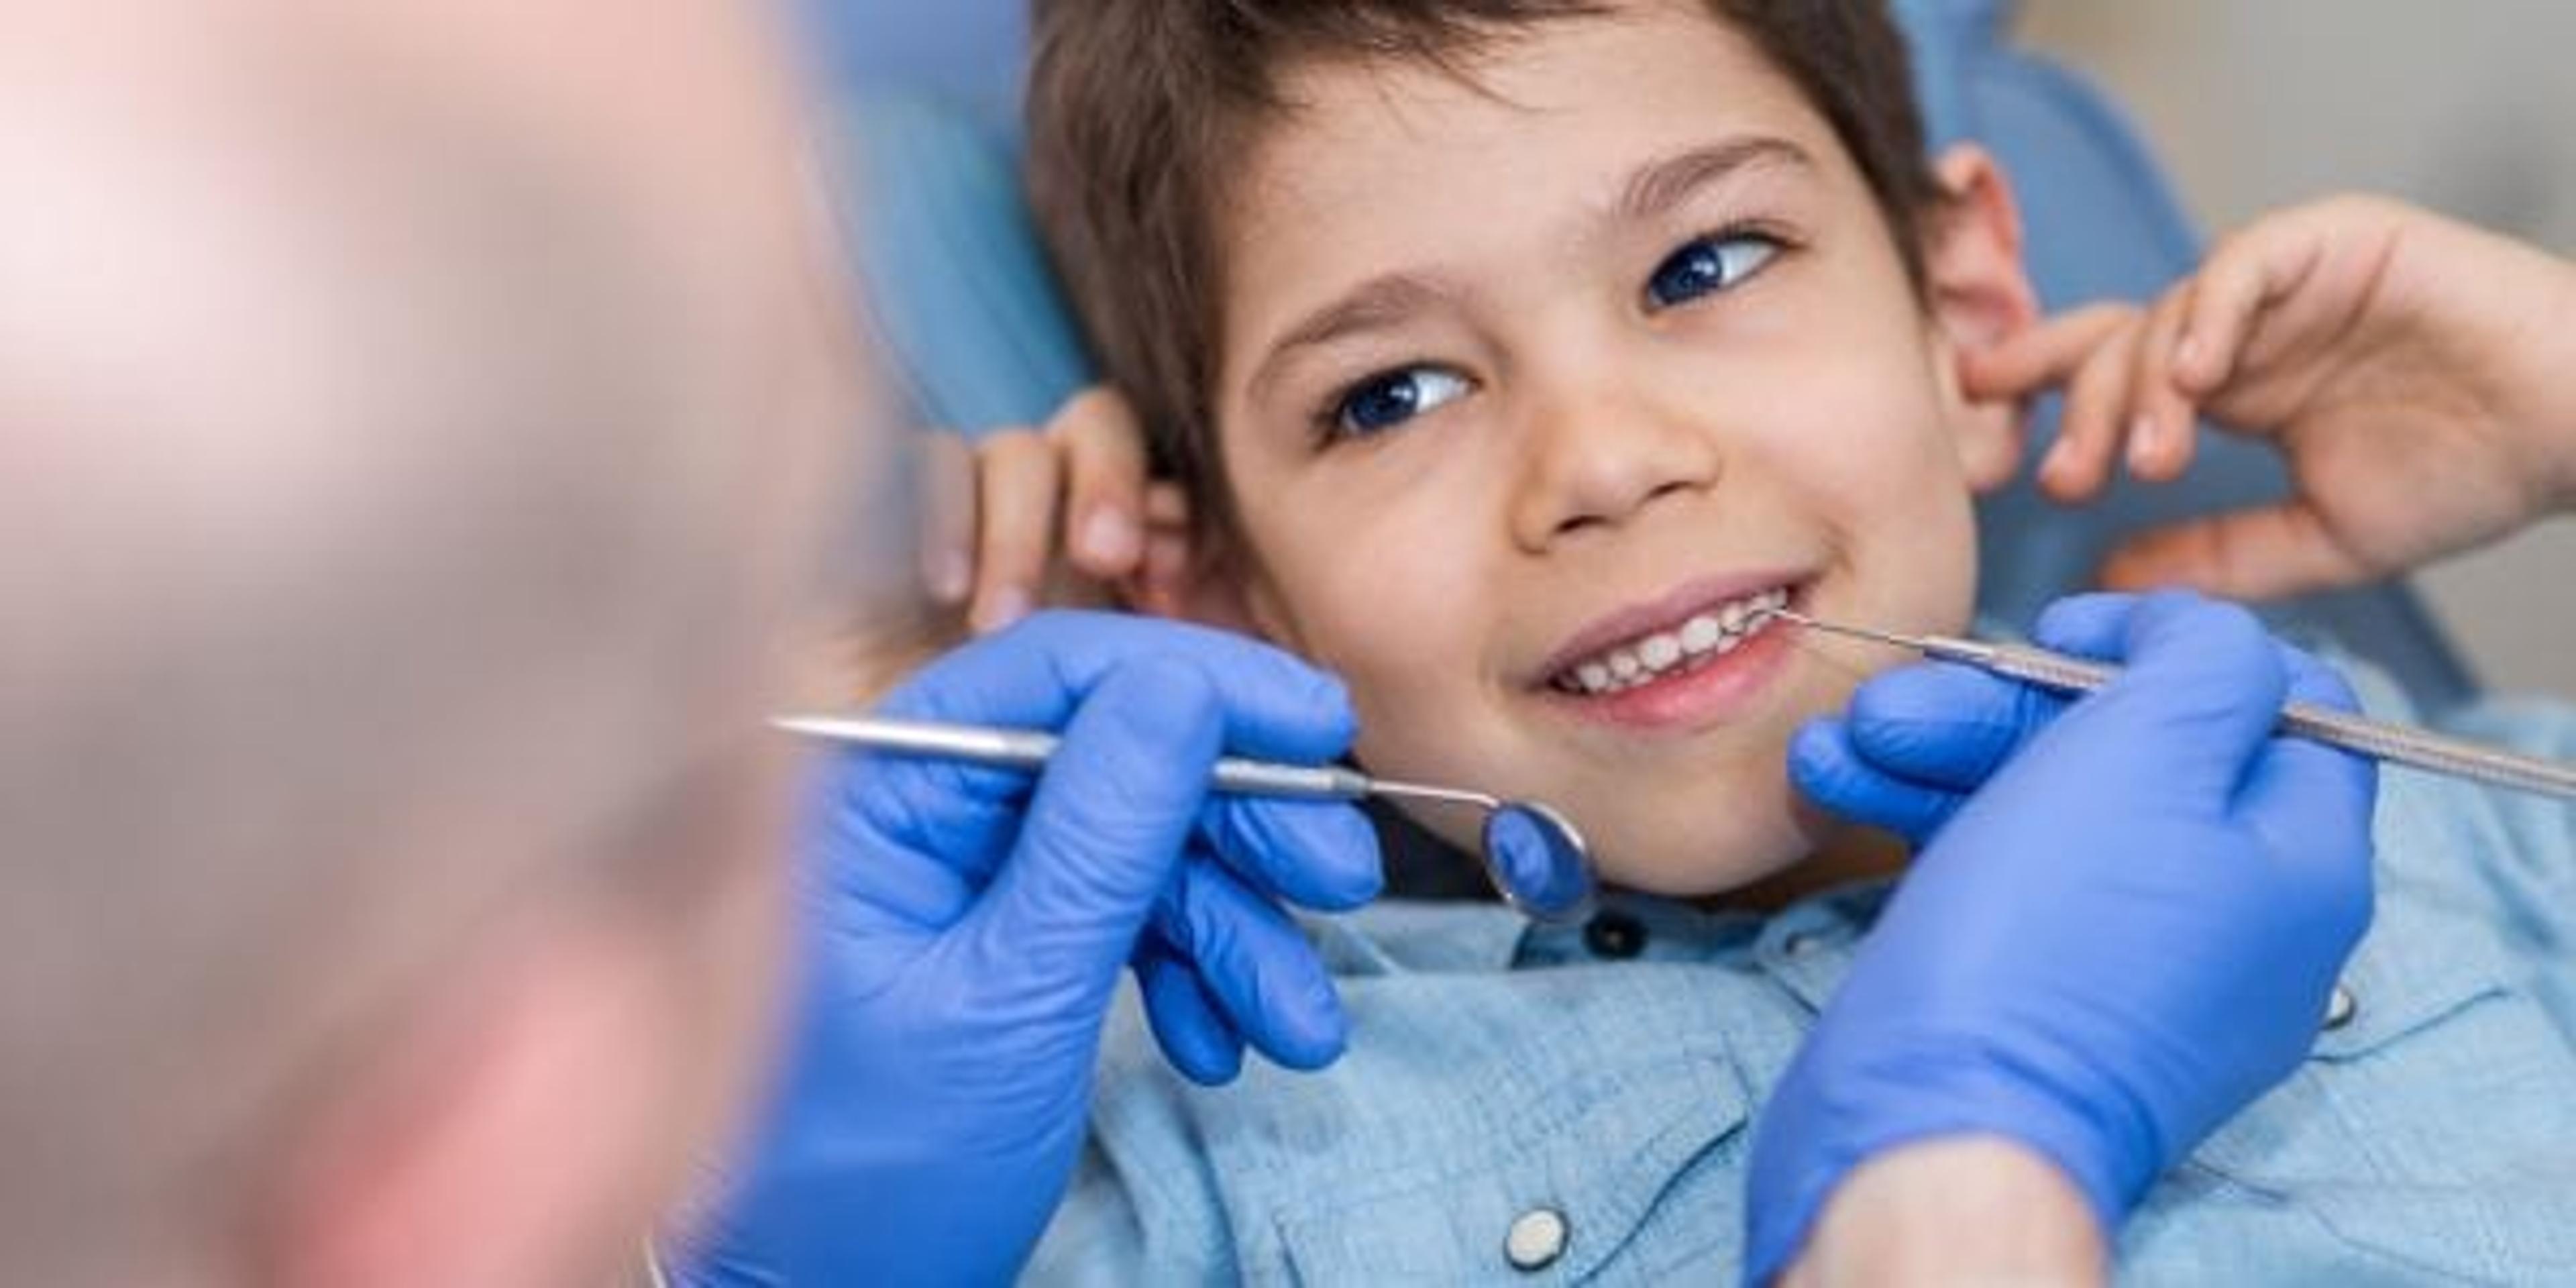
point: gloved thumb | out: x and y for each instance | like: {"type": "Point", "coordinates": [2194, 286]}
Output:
{"type": "Point", "coordinates": [1830, 771]}
{"type": "Point", "coordinates": [1109, 822]}
{"type": "Point", "coordinates": [2312, 801]}
{"type": "Point", "coordinates": [1946, 725]}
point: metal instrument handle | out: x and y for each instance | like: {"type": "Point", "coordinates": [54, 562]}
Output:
{"type": "Point", "coordinates": [1030, 749]}
{"type": "Point", "coordinates": [2401, 744]}
{"type": "Point", "coordinates": [2394, 743]}
{"type": "Point", "coordinates": [1299, 782]}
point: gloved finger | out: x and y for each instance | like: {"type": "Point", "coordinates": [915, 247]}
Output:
{"type": "Point", "coordinates": [1254, 964]}
{"type": "Point", "coordinates": [2198, 695]}
{"type": "Point", "coordinates": [2312, 802]}
{"type": "Point", "coordinates": [1317, 854]}
{"type": "Point", "coordinates": [2096, 626]}
{"type": "Point", "coordinates": [893, 859]}
{"type": "Point", "coordinates": [1105, 467]}
{"type": "Point", "coordinates": [1840, 780]}
{"type": "Point", "coordinates": [1945, 725]}
{"type": "Point", "coordinates": [2092, 625]}
{"type": "Point", "coordinates": [1034, 676]}
{"type": "Point", "coordinates": [1194, 1037]}
{"type": "Point", "coordinates": [1276, 706]}
{"type": "Point", "coordinates": [1106, 829]}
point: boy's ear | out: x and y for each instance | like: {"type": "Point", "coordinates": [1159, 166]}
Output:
{"type": "Point", "coordinates": [1190, 574]}
{"type": "Point", "coordinates": [1981, 296]}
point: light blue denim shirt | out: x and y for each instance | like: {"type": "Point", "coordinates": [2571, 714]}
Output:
{"type": "Point", "coordinates": [1584, 1097]}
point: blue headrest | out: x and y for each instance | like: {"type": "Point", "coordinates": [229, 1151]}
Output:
{"type": "Point", "coordinates": [958, 287]}
{"type": "Point", "coordinates": [964, 53]}
{"type": "Point", "coordinates": [960, 293]}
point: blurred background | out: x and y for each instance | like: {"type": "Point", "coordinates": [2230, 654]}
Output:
{"type": "Point", "coordinates": [2463, 107]}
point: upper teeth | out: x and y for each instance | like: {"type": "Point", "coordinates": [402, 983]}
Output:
{"type": "Point", "coordinates": [1712, 632]}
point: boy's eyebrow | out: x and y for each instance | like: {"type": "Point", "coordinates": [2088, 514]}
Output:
{"type": "Point", "coordinates": [1378, 302]}
{"type": "Point", "coordinates": [1658, 186]}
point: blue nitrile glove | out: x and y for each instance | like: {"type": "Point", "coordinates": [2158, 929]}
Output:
{"type": "Point", "coordinates": [2123, 928]}
{"type": "Point", "coordinates": [964, 928]}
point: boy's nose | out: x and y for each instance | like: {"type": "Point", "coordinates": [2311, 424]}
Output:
{"type": "Point", "coordinates": [1599, 456]}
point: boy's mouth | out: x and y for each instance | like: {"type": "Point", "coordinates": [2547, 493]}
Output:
{"type": "Point", "coordinates": [1676, 635]}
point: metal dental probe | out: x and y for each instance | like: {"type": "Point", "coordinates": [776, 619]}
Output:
{"type": "Point", "coordinates": [1536, 858]}
{"type": "Point", "coordinates": [2393, 743]}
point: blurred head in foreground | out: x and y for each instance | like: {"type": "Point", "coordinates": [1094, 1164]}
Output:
{"type": "Point", "coordinates": [413, 418]}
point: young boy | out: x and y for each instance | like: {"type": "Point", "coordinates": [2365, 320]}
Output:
{"type": "Point", "coordinates": [1514, 356]}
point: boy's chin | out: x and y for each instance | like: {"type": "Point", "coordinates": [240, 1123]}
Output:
{"type": "Point", "coordinates": [1717, 866]}
{"type": "Point", "coordinates": [1796, 856]}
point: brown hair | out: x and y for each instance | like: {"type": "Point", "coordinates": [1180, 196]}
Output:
{"type": "Point", "coordinates": [1137, 109]}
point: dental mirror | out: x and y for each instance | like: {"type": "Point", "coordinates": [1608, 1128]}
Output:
{"type": "Point", "coordinates": [1535, 858]}
{"type": "Point", "coordinates": [1538, 862]}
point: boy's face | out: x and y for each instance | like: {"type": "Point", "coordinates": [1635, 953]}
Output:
{"type": "Point", "coordinates": [1532, 386]}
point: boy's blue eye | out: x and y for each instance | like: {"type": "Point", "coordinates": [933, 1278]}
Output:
{"type": "Point", "coordinates": [1389, 399]}
{"type": "Point", "coordinates": [1707, 265]}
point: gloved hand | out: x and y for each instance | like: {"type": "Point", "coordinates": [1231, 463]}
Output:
{"type": "Point", "coordinates": [2124, 927]}
{"type": "Point", "coordinates": [964, 928]}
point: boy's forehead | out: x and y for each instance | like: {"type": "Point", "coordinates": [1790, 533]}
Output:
{"type": "Point", "coordinates": [1380, 159]}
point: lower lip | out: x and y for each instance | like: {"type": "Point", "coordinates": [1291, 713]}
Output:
{"type": "Point", "coordinates": [1714, 692]}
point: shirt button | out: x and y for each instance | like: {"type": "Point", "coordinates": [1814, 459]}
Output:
{"type": "Point", "coordinates": [2340, 1008]}
{"type": "Point", "coordinates": [1536, 1239]}
{"type": "Point", "coordinates": [1614, 936]}
{"type": "Point", "coordinates": [1801, 944]}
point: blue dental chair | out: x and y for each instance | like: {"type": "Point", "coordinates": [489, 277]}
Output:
{"type": "Point", "coordinates": [959, 291]}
